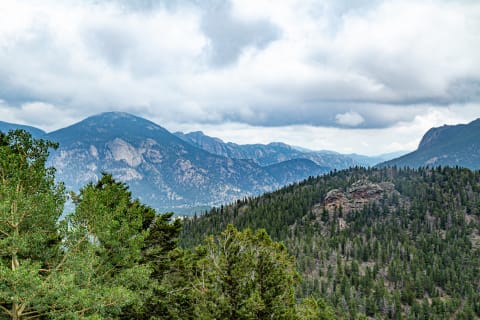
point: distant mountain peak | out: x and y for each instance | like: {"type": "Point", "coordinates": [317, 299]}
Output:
{"type": "Point", "coordinates": [35, 132]}
{"type": "Point", "coordinates": [280, 144]}
{"type": "Point", "coordinates": [196, 135]}
{"type": "Point", "coordinates": [475, 122]}
{"type": "Point", "coordinates": [115, 116]}
{"type": "Point", "coordinates": [448, 145]}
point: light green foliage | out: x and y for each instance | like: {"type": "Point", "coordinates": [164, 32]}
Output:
{"type": "Point", "coordinates": [111, 221]}
{"type": "Point", "coordinates": [119, 228]}
{"type": "Point", "coordinates": [311, 309]}
{"type": "Point", "coordinates": [86, 265]}
{"type": "Point", "coordinates": [134, 244]}
{"type": "Point", "coordinates": [30, 205]}
{"type": "Point", "coordinates": [245, 275]}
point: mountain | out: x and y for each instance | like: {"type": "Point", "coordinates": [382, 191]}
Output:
{"type": "Point", "coordinates": [388, 243]}
{"type": "Point", "coordinates": [452, 145]}
{"type": "Point", "coordinates": [369, 161]}
{"type": "Point", "coordinates": [275, 152]}
{"type": "Point", "coordinates": [161, 169]}
{"type": "Point", "coordinates": [288, 171]}
{"type": "Point", "coordinates": [35, 132]}
{"type": "Point", "coordinates": [182, 172]}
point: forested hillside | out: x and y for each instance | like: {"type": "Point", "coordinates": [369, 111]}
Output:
{"type": "Point", "coordinates": [386, 243]}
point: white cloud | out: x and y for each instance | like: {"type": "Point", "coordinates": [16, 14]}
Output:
{"type": "Point", "coordinates": [349, 119]}
{"type": "Point", "coordinates": [404, 136]}
{"type": "Point", "coordinates": [328, 63]}
{"type": "Point", "coordinates": [42, 115]}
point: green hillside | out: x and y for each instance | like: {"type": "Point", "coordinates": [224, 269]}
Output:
{"type": "Point", "coordinates": [387, 243]}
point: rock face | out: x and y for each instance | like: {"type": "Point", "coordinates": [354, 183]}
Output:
{"type": "Point", "coordinates": [335, 199]}
{"type": "Point", "coordinates": [274, 153]}
{"type": "Point", "coordinates": [359, 194]}
{"type": "Point", "coordinates": [161, 169]}
{"type": "Point", "coordinates": [457, 145]}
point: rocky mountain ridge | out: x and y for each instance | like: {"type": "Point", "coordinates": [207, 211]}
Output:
{"type": "Point", "coordinates": [448, 145]}
{"type": "Point", "coordinates": [161, 169]}
{"type": "Point", "coordinates": [276, 152]}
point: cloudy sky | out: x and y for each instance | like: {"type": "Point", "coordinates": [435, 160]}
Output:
{"type": "Point", "coordinates": [365, 76]}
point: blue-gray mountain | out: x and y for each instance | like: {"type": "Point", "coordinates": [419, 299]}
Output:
{"type": "Point", "coordinates": [457, 145]}
{"type": "Point", "coordinates": [276, 152]}
{"type": "Point", "coordinates": [36, 133]}
{"type": "Point", "coordinates": [180, 174]}
{"type": "Point", "coordinates": [160, 168]}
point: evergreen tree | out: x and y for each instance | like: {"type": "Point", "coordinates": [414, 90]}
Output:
{"type": "Point", "coordinates": [133, 242]}
{"type": "Point", "coordinates": [48, 269]}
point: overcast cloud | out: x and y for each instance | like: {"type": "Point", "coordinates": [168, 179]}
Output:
{"type": "Point", "coordinates": [350, 76]}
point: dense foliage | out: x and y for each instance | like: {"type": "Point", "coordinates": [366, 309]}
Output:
{"type": "Point", "coordinates": [115, 258]}
{"type": "Point", "coordinates": [414, 253]}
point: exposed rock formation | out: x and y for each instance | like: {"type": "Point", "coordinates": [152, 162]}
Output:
{"type": "Point", "coordinates": [358, 195]}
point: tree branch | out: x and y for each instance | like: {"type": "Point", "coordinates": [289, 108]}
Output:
{"type": "Point", "coordinates": [5, 310]}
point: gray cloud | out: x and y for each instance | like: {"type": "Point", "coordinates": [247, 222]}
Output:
{"type": "Point", "coordinates": [362, 64]}
{"type": "Point", "coordinates": [229, 36]}
{"type": "Point", "coordinates": [110, 43]}
{"type": "Point", "coordinates": [327, 114]}
{"type": "Point", "coordinates": [465, 90]}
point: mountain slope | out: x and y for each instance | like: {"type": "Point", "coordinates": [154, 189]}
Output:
{"type": "Point", "coordinates": [35, 132]}
{"type": "Point", "coordinates": [276, 152]}
{"type": "Point", "coordinates": [163, 170]}
{"type": "Point", "coordinates": [457, 145]}
{"type": "Point", "coordinates": [290, 171]}
{"type": "Point", "coordinates": [387, 243]}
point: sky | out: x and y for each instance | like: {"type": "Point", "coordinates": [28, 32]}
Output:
{"type": "Point", "coordinates": [363, 76]}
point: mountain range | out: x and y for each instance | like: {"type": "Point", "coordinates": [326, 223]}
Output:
{"type": "Point", "coordinates": [188, 172]}
{"type": "Point", "coordinates": [173, 172]}
{"type": "Point", "coordinates": [275, 152]}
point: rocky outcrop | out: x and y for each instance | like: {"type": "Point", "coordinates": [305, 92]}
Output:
{"type": "Point", "coordinates": [359, 194]}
